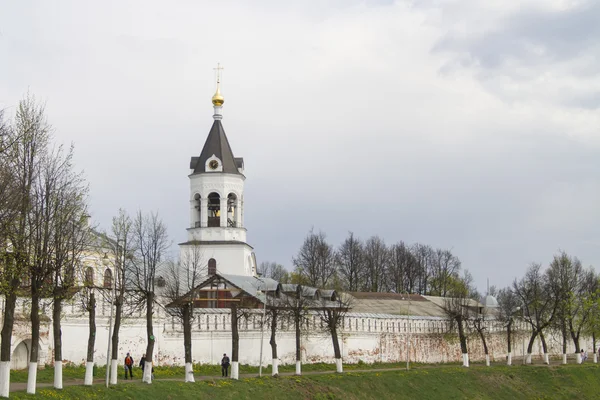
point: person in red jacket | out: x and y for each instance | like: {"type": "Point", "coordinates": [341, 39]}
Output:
{"type": "Point", "coordinates": [129, 365]}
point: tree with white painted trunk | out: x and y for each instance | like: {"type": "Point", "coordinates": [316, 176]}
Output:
{"type": "Point", "coordinates": [88, 299]}
{"type": "Point", "coordinates": [295, 307]}
{"type": "Point", "coordinates": [273, 319]}
{"type": "Point", "coordinates": [592, 327]}
{"type": "Point", "coordinates": [70, 239]}
{"type": "Point", "coordinates": [565, 277]}
{"type": "Point", "coordinates": [508, 307]}
{"type": "Point", "coordinates": [458, 309]}
{"type": "Point", "coordinates": [121, 248]}
{"type": "Point", "coordinates": [180, 279]}
{"type": "Point", "coordinates": [539, 304]}
{"type": "Point", "coordinates": [332, 312]}
{"type": "Point", "coordinates": [151, 244]}
{"type": "Point", "coordinates": [58, 204]}
{"type": "Point", "coordinates": [480, 325]}
{"type": "Point", "coordinates": [24, 149]}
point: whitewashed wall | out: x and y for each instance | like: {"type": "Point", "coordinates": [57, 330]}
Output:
{"type": "Point", "coordinates": [364, 338]}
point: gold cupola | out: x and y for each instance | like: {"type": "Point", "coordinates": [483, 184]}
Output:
{"type": "Point", "coordinates": [218, 98]}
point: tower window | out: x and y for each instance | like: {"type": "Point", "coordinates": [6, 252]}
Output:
{"type": "Point", "coordinates": [212, 266]}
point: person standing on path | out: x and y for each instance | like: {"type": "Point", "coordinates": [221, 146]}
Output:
{"type": "Point", "coordinates": [129, 365]}
{"type": "Point", "coordinates": [225, 365]}
{"type": "Point", "coordinates": [142, 364]}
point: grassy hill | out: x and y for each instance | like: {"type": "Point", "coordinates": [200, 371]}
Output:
{"type": "Point", "coordinates": [439, 382]}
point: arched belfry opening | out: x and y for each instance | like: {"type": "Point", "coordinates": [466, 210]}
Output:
{"type": "Point", "coordinates": [232, 210]}
{"type": "Point", "coordinates": [212, 266]}
{"type": "Point", "coordinates": [214, 210]}
{"type": "Point", "coordinates": [198, 208]}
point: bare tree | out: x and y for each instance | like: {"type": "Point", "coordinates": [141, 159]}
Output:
{"type": "Point", "coordinates": [151, 245]}
{"type": "Point", "coordinates": [508, 305]}
{"type": "Point", "coordinates": [316, 260]}
{"type": "Point", "coordinates": [424, 256]}
{"type": "Point", "coordinates": [70, 239]}
{"type": "Point", "coordinates": [350, 261]}
{"type": "Point", "coordinates": [274, 271]}
{"type": "Point", "coordinates": [22, 161]}
{"type": "Point", "coordinates": [539, 304]}
{"type": "Point", "coordinates": [456, 308]}
{"type": "Point", "coordinates": [446, 267]}
{"type": "Point", "coordinates": [479, 324]}
{"type": "Point", "coordinates": [273, 317]}
{"type": "Point", "coordinates": [9, 193]}
{"type": "Point", "coordinates": [87, 299]}
{"type": "Point", "coordinates": [295, 306]}
{"type": "Point", "coordinates": [121, 243]}
{"type": "Point", "coordinates": [403, 269]}
{"type": "Point", "coordinates": [564, 279]}
{"type": "Point", "coordinates": [592, 327]}
{"type": "Point", "coordinates": [332, 313]}
{"type": "Point", "coordinates": [376, 257]}
{"type": "Point", "coordinates": [181, 279]}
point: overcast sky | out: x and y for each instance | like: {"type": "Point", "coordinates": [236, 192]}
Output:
{"type": "Point", "coordinates": [471, 125]}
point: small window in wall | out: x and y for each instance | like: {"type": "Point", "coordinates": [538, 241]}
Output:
{"type": "Point", "coordinates": [89, 276]}
{"type": "Point", "coordinates": [212, 266]}
{"type": "Point", "coordinates": [108, 278]}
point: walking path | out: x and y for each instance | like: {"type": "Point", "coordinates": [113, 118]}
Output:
{"type": "Point", "coordinates": [22, 386]}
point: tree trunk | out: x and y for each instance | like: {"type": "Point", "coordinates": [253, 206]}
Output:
{"type": "Point", "coordinates": [235, 343]}
{"type": "Point", "coordinates": [115, 340]}
{"type": "Point", "coordinates": [187, 341]}
{"type": "Point", "coordinates": [545, 348]}
{"type": "Point", "coordinates": [564, 343]}
{"type": "Point", "coordinates": [463, 342]}
{"type": "Point", "coordinates": [92, 327]}
{"type": "Point", "coordinates": [336, 344]}
{"type": "Point", "coordinates": [6, 343]}
{"type": "Point", "coordinates": [575, 337]}
{"type": "Point", "coordinates": [89, 366]}
{"type": "Point", "coordinates": [594, 348]}
{"type": "Point", "coordinates": [150, 334]}
{"type": "Point", "coordinates": [273, 343]}
{"type": "Point", "coordinates": [336, 347]}
{"type": "Point", "coordinates": [7, 326]}
{"type": "Point", "coordinates": [509, 341]}
{"type": "Point", "coordinates": [462, 337]}
{"type": "Point", "coordinates": [187, 333]}
{"type": "Point", "coordinates": [508, 336]}
{"type": "Point", "coordinates": [485, 347]}
{"type": "Point", "coordinates": [298, 350]}
{"type": "Point", "coordinates": [531, 341]}
{"type": "Point", "coordinates": [56, 312]}
{"type": "Point", "coordinates": [35, 340]}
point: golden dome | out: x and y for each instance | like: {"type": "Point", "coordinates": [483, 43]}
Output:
{"type": "Point", "coordinates": [218, 98]}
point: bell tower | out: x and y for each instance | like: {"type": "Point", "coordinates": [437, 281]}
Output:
{"type": "Point", "coordinates": [216, 203]}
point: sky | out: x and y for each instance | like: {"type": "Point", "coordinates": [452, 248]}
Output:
{"type": "Point", "coordinates": [463, 124]}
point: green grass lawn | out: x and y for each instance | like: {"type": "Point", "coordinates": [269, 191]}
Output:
{"type": "Point", "coordinates": [449, 382]}
{"type": "Point", "coordinates": [46, 374]}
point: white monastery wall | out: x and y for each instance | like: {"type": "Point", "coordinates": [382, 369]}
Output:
{"type": "Point", "coordinates": [364, 338]}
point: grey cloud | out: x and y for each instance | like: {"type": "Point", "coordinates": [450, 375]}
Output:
{"type": "Point", "coordinates": [531, 37]}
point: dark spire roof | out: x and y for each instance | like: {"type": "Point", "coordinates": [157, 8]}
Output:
{"type": "Point", "coordinates": [217, 144]}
